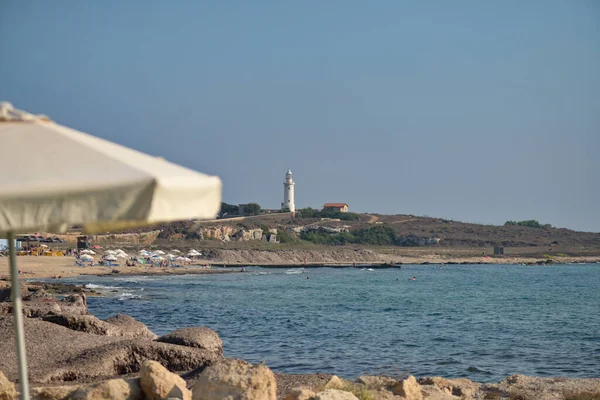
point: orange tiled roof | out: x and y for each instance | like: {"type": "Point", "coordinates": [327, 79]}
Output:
{"type": "Point", "coordinates": [335, 205]}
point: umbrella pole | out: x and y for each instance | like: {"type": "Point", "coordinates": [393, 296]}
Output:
{"type": "Point", "coordinates": [17, 309]}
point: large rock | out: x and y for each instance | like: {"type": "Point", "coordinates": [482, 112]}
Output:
{"type": "Point", "coordinates": [409, 388]}
{"type": "Point", "coordinates": [334, 383]}
{"type": "Point", "coordinates": [233, 379]}
{"type": "Point", "coordinates": [460, 387]}
{"type": "Point", "coordinates": [201, 337]}
{"type": "Point", "coordinates": [126, 357]}
{"type": "Point", "coordinates": [119, 325]}
{"type": "Point", "coordinates": [335, 394]}
{"type": "Point", "coordinates": [114, 389]}
{"type": "Point", "coordinates": [131, 327]}
{"type": "Point", "coordinates": [299, 394]}
{"type": "Point", "coordinates": [40, 304]}
{"type": "Point", "coordinates": [7, 388]}
{"type": "Point", "coordinates": [58, 354]}
{"type": "Point", "coordinates": [158, 383]}
{"type": "Point", "coordinates": [6, 291]}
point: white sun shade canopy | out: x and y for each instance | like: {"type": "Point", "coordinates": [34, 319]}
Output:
{"type": "Point", "coordinates": [53, 177]}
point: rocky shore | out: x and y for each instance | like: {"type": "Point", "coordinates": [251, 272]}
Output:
{"type": "Point", "coordinates": [74, 355]}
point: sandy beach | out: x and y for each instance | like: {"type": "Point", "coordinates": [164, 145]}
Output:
{"type": "Point", "coordinates": [54, 267]}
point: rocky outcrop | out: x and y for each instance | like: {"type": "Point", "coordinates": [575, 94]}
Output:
{"type": "Point", "coordinates": [235, 380]}
{"type": "Point", "coordinates": [299, 394]}
{"type": "Point", "coordinates": [114, 389]}
{"type": "Point", "coordinates": [120, 325]}
{"type": "Point", "coordinates": [455, 387]}
{"type": "Point", "coordinates": [335, 394]}
{"type": "Point", "coordinates": [409, 388]}
{"type": "Point", "coordinates": [130, 327]}
{"type": "Point", "coordinates": [40, 304]}
{"type": "Point", "coordinates": [125, 326]}
{"type": "Point", "coordinates": [200, 337]}
{"type": "Point", "coordinates": [59, 354]}
{"type": "Point", "coordinates": [7, 388]}
{"type": "Point", "coordinates": [125, 357]}
{"type": "Point", "coordinates": [377, 382]}
{"type": "Point", "coordinates": [158, 383]}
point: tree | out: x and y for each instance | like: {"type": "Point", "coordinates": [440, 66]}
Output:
{"type": "Point", "coordinates": [252, 209]}
{"type": "Point", "coordinates": [229, 209]}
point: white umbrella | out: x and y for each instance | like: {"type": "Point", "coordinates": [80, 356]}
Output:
{"type": "Point", "coordinates": [103, 187]}
{"type": "Point", "coordinates": [181, 259]}
{"type": "Point", "coordinates": [171, 256]}
{"type": "Point", "coordinates": [87, 257]}
{"type": "Point", "coordinates": [111, 252]}
{"type": "Point", "coordinates": [159, 252]}
{"type": "Point", "coordinates": [176, 251]}
{"type": "Point", "coordinates": [111, 258]}
{"type": "Point", "coordinates": [86, 251]}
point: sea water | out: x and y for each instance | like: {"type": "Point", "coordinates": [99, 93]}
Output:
{"type": "Point", "coordinates": [481, 322]}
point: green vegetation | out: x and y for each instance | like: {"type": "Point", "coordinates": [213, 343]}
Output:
{"type": "Point", "coordinates": [378, 235]}
{"type": "Point", "coordinates": [531, 223]}
{"type": "Point", "coordinates": [252, 209]}
{"type": "Point", "coordinates": [326, 213]}
{"type": "Point", "coordinates": [285, 237]}
{"type": "Point", "coordinates": [229, 209]}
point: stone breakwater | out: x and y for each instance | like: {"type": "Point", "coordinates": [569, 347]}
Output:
{"type": "Point", "coordinates": [74, 355]}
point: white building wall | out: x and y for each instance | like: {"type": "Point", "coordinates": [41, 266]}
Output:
{"type": "Point", "coordinates": [288, 192]}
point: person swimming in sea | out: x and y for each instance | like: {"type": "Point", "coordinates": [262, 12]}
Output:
{"type": "Point", "coordinates": [414, 278]}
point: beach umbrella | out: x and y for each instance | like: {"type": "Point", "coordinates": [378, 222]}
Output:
{"type": "Point", "coordinates": [176, 251]}
{"type": "Point", "coordinates": [87, 257]}
{"type": "Point", "coordinates": [181, 259]}
{"type": "Point", "coordinates": [111, 252]}
{"type": "Point", "coordinates": [111, 258]}
{"type": "Point", "coordinates": [102, 186]}
{"type": "Point", "coordinates": [171, 256]}
{"type": "Point", "coordinates": [159, 252]}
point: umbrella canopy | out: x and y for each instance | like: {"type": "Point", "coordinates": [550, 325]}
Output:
{"type": "Point", "coordinates": [111, 258]}
{"type": "Point", "coordinates": [111, 252]}
{"type": "Point", "coordinates": [159, 252]}
{"type": "Point", "coordinates": [86, 251]}
{"type": "Point", "coordinates": [176, 251]}
{"type": "Point", "coordinates": [102, 186]}
{"type": "Point", "coordinates": [87, 257]}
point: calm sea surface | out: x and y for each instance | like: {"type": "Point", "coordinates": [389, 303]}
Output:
{"type": "Point", "coordinates": [480, 322]}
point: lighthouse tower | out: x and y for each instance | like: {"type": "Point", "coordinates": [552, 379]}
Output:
{"type": "Point", "coordinates": [288, 192]}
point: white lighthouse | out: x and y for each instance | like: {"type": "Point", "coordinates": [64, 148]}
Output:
{"type": "Point", "coordinates": [288, 192]}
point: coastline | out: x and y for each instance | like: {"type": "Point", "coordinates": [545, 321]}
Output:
{"type": "Point", "coordinates": [60, 267]}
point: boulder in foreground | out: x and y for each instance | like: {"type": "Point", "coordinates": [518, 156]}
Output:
{"type": "Point", "coordinates": [235, 380]}
{"type": "Point", "coordinates": [201, 337]}
{"type": "Point", "coordinates": [7, 388]}
{"type": "Point", "coordinates": [409, 388]}
{"type": "Point", "coordinates": [158, 383]}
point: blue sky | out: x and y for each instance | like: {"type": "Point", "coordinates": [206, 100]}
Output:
{"type": "Point", "coordinates": [481, 111]}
